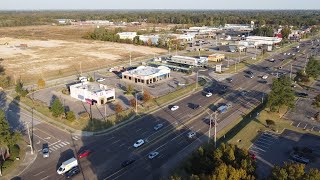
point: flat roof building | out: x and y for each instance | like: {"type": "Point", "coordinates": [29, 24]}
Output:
{"type": "Point", "coordinates": [260, 40]}
{"type": "Point", "coordinates": [153, 38]}
{"type": "Point", "coordinates": [95, 92]}
{"type": "Point", "coordinates": [188, 61]}
{"type": "Point", "coordinates": [147, 74]}
{"type": "Point", "coordinates": [216, 57]}
{"type": "Point", "coordinates": [127, 35]}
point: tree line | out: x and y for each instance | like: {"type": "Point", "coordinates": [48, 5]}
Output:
{"type": "Point", "coordinates": [192, 17]}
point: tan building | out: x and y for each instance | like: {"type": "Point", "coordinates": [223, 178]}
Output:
{"type": "Point", "coordinates": [216, 57]}
{"type": "Point", "coordinates": [147, 74]}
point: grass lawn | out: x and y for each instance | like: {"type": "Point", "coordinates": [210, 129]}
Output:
{"type": "Point", "coordinates": [248, 128]}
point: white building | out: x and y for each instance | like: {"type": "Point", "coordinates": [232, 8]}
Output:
{"type": "Point", "coordinates": [127, 35]}
{"type": "Point", "coordinates": [147, 74]}
{"type": "Point", "coordinates": [186, 37]}
{"type": "Point", "coordinates": [145, 38]}
{"type": "Point", "coordinates": [189, 61]}
{"type": "Point", "coordinates": [239, 27]}
{"type": "Point", "coordinates": [254, 41]}
{"type": "Point", "coordinates": [93, 91]}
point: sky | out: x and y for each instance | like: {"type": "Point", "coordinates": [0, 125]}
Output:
{"type": "Point", "coordinates": [157, 4]}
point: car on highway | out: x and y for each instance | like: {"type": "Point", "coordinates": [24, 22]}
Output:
{"type": "Point", "coordinates": [84, 153]}
{"type": "Point", "coordinates": [139, 143]}
{"type": "Point", "coordinates": [209, 94]}
{"type": "Point", "coordinates": [101, 79]}
{"type": "Point", "coordinates": [265, 77]}
{"type": "Point", "coordinates": [174, 107]}
{"type": "Point", "coordinates": [158, 126]}
{"type": "Point", "coordinates": [127, 162]}
{"type": "Point", "coordinates": [45, 150]}
{"type": "Point", "coordinates": [72, 172]}
{"type": "Point", "coordinates": [191, 134]}
{"type": "Point", "coordinates": [153, 155]}
{"type": "Point", "coordinates": [193, 106]}
{"type": "Point", "coordinates": [243, 93]}
{"type": "Point", "coordinates": [267, 69]}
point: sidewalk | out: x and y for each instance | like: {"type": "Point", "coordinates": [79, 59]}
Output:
{"type": "Point", "coordinates": [68, 129]}
{"type": "Point", "coordinates": [26, 162]}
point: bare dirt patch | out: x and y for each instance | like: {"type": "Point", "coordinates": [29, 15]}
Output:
{"type": "Point", "coordinates": [52, 58]}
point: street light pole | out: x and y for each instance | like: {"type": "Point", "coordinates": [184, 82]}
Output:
{"type": "Point", "coordinates": [210, 129]}
{"type": "Point", "coordinates": [136, 104]}
{"type": "Point", "coordinates": [31, 145]}
{"type": "Point", "coordinates": [197, 80]}
{"type": "Point", "coordinates": [215, 129]}
{"type": "Point", "coordinates": [290, 71]}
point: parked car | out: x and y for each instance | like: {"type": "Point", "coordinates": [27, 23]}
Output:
{"type": "Point", "coordinates": [191, 134]}
{"type": "Point", "coordinates": [300, 159]}
{"type": "Point", "coordinates": [229, 80]}
{"type": "Point", "coordinates": [127, 162]}
{"type": "Point", "coordinates": [139, 143]}
{"type": "Point", "coordinates": [272, 60]}
{"type": "Point", "coordinates": [173, 108]}
{"type": "Point", "coordinates": [45, 150]}
{"type": "Point", "coordinates": [153, 155]}
{"type": "Point", "coordinates": [264, 76]}
{"type": "Point", "coordinates": [263, 81]}
{"type": "Point", "coordinates": [301, 94]}
{"type": "Point", "coordinates": [158, 126]}
{"type": "Point", "coordinates": [100, 79]}
{"type": "Point", "coordinates": [72, 172]}
{"type": "Point", "coordinates": [209, 94]}
{"type": "Point", "coordinates": [84, 153]}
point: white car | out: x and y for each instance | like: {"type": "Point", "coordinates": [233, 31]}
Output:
{"type": "Point", "coordinates": [175, 107]}
{"type": "Point", "coordinates": [100, 79]}
{"type": "Point", "coordinates": [139, 143]}
{"type": "Point", "coordinates": [209, 94]}
{"type": "Point", "coordinates": [264, 76]}
{"type": "Point", "coordinates": [191, 134]}
{"type": "Point", "coordinates": [153, 155]}
{"type": "Point", "coordinates": [158, 126]}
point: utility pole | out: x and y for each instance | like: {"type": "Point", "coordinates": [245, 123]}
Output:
{"type": "Point", "coordinates": [136, 104]}
{"type": "Point", "coordinates": [304, 68]}
{"type": "Point", "coordinates": [31, 145]}
{"type": "Point", "coordinates": [210, 128]}
{"type": "Point", "coordinates": [290, 71]}
{"type": "Point", "coordinates": [130, 57]}
{"type": "Point", "coordinates": [215, 129]}
{"type": "Point", "coordinates": [105, 111]}
{"type": "Point", "coordinates": [199, 48]}
{"type": "Point", "coordinates": [176, 49]}
{"type": "Point", "coordinates": [197, 80]}
{"type": "Point", "coordinates": [80, 69]}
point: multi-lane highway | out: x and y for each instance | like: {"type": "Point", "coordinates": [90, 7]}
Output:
{"type": "Point", "coordinates": [170, 141]}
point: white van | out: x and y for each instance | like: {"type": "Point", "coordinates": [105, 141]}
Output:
{"type": "Point", "coordinates": [83, 79]}
{"type": "Point", "coordinates": [67, 165]}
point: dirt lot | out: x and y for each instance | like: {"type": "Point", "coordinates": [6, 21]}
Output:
{"type": "Point", "coordinates": [55, 58]}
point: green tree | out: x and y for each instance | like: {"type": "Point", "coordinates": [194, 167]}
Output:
{"type": "Point", "coordinates": [313, 68]}
{"type": "Point", "coordinates": [281, 94]}
{"type": "Point", "coordinates": [285, 32]}
{"type": "Point", "coordinates": [20, 90]}
{"type": "Point", "coordinates": [288, 171]}
{"type": "Point", "coordinates": [302, 76]}
{"type": "Point", "coordinates": [313, 174]}
{"type": "Point", "coordinates": [70, 116]}
{"type": "Point", "coordinates": [57, 108]}
{"type": "Point", "coordinates": [129, 89]}
{"type": "Point", "coordinates": [316, 101]}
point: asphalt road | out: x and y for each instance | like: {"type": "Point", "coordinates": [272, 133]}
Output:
{"type": "Point", "coordinates": [112, 149]}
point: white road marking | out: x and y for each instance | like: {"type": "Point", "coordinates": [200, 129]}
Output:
{"type": "Point", "coordinates": [54, 143]}
{"type": "Point", "coordinates": [298, 124]}
{"type": "Point", "coordinates": [67, 142]}
{"type": "Point", "coordinates": [64, 143]}
{"type": "Point", "coordinates": [109, 138]}
{"type": "Point", "coordinates": [116, 141]}
{"type": "Point", "coordinates": [305, 126]}
{"type": "Point", "coordinates": [47, 138]}
{"type": "Point", "coordinates": [38, 173]}
{"type": "Point", "coordinates": [261, 144]}
{"type": "Point", "coordinates": [40, 138]}
{"type": "Point", "coordinates": [53, 148]}
{"type": "Point", "coordinates": [56, 146]}
{"type": "Point", "coordinates": [45, 178]}
{"type": "Point", "coordinates": [122, 144]}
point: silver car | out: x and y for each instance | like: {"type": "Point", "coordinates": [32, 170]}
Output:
{"type": "Point", "coordinates": [158, 126]}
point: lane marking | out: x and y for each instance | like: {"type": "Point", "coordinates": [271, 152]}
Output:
{"type": "Point", "coordinates": [122, 144]}
{"type": "Point", "coordinates": [45, 178]}
{"type": "Point", "coordinates": [64, 143]}
{"type": "Point", "coordinates": [38, 173]}
{"type": "Point", "coordinates": [116, 141]}
{"type": "Point", "coordinates": [298, 124]}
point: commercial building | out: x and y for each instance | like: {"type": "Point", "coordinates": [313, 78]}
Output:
{"type": "Point", "coordinates": [216, 57]}
{"type": "Point", "coordinates": [188, 61]}
{"type": "Point", "coordinates": [147, 74]}
{"type": "Point", "coordinates": [92, 91]}
{"type": "Point", "coordinates": [260, 40]}
{"type": "Point", "coordinates": [127, 35]}
{"type": "Point", "coordinates": [239, 27]}
{"type": "Point", "coordinates": [153, 38]}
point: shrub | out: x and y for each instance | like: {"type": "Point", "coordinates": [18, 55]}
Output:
{"type": "Point", "coordinates": [14, 151]}
{"type": "Point", "coordinates": [7, 164]}
{"type": "Point", "coordinates": [70, 116]}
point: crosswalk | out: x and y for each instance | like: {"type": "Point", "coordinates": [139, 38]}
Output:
{"type": "Point", "coordinates": [56, 146]}
{"type": "Point", "coordinates": [76, 138]}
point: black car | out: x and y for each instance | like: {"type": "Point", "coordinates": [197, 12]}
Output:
{"type": "Point", "coordinates": [72, 172]}
{"type": "Point", "coordinates": [127, 162]}
{"type": "Point", "coordinates": [248, 72]}
{"type": "Point", "coordinates": [193, 106]}
{"type": "Point", "coordinates": [229, 80]}
{"type": "Point", "coordinates": [263, 81]}
{"type": "Point", "coordinates": [301, 94]}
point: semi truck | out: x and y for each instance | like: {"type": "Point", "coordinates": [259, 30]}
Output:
{"type": "Point", "coordinates": [67, 165]}
{"type": "Point", "coordinates": [224, 108]}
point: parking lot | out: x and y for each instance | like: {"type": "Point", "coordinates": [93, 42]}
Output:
{"type": "Point", "coordinates": [274, 149]}
{"type": "Point", "coordinates": [177, 80]}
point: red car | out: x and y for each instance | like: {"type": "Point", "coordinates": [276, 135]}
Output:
{"type": "Point", "coordinates": [253, 156]}
{"type": "Point", "coordinates": [84, 153]}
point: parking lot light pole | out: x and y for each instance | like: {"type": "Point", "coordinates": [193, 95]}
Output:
{"type": "Point", "coordinates": [136, 104]}
{"type": "Point", "coordinates": [30, 141]}
{"type": "Point", "coordinates": [290, 71]}
{"type": "Point", "coordinates": [197, 80]}
{"type": "Point", "coordinates": [215, 129]}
